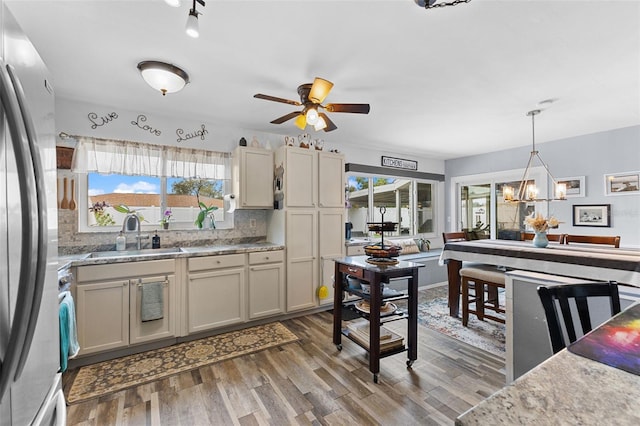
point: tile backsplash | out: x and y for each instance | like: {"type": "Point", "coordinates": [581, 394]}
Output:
{"type": "Point", "coordinates": [70, 241]}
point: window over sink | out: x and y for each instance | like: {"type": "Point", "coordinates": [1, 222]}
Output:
{"type": "Point", "coordinates": [162, 184]}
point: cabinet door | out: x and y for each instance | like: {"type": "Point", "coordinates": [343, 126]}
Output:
{"type": "Point", "coordinates": [155, 329]}
{"type": "Point", "coordinates": [255, 178]}
{"type": "Point", "coordinates": [216, 299]}
{"type": "Point", "coordinates": [331, 180]}
{"type": "Point", "coordinates": [266, 290]}
{"type": "Point", "coordinates": [300, 178]}
{"type": "Point", "coordinates": [302, 262]}
{"type": "Point", "coordinates": [331, 246]}
{"type": "Point", "coordinates": [102, 315]}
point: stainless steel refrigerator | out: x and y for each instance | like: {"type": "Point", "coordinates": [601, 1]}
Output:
{"type": "Point", "coordinates": [30, 385]}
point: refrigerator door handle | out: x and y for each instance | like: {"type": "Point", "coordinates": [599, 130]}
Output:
{"type": "Point", "coordinates": [40, 213]}
{"type": "Point", "coordinates": [28, 263]}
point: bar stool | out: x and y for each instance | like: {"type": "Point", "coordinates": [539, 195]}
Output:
{"type": "Point", "coordinates": [481, 278]}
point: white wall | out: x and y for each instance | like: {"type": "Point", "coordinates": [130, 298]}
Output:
{"type": "Point", "coordinates": [591, 156]}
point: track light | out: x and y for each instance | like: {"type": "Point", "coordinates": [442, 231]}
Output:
{"type": "Point", "coordinates": [192, 29]}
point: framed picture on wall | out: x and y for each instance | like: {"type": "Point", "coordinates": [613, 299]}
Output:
{"type": "Point", "coordinates": [575, 186]}
{"type": "Point", "coordinates": [627, 183]}
{"type": "Point", "coordinates": [592, 215]}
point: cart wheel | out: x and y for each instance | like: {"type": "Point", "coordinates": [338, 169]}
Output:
{"type": "Point", "coordinates": [410, 363]}
{"type": "Point", "coordinates": [375, 378]}
{"type": "Point", "coordinates": [339, 347]}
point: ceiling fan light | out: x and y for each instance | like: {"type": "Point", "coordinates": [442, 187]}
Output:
{"type": "Point", "coordinates": [319, 90]}
{"type": "Point", "coordinates": [320, 124]}
{"type": "Point", "coordinates": [312, 116]}
{"type": "Point", "coordinates": [163, 77]}
{"type": "Point", "coordinates": [301, 121]}
{"type": "Point", "coordinates": [192, 29]}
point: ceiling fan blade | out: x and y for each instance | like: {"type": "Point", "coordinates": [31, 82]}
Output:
{"type": "Point", "coordinates": [275, 99]}
{"type": "Point", "coordinates": [355, 108]}
{"type": "Point", "coordinates": [287, 117]}
{"type": "Point", "coordinates": [319, 90]}
{"type": "Point", "coordinates": [330, 124]}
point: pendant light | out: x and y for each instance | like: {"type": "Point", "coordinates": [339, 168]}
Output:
{"type": "Point", "coordinates": [166, 78]}
{"type": "Point", "coordinates": [528, 192]}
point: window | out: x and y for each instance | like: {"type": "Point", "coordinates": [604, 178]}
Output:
{"type": "Point", "coordinates": [156, 182]}
{"type": "Point", "coordinates": [408, 202]}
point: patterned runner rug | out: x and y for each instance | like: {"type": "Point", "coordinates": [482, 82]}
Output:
{"type": "Point", "coordinates": [110, 376]}
{"type": "Point", "coordinates": [433, 313]}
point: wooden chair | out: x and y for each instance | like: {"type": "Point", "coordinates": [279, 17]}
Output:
{"type": "Point", "coordinates": [475, 279]}
{"type": "Point", "coordinates": [593, 239]}
{"type": "Point", "coordinates": [453, 237]}
{"type": "Point", "coordinates": [554, 238]}
{"type": "Point", "coordinates": [580, 293]}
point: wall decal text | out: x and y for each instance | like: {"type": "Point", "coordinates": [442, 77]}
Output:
{"type": "Point", "coordinates": [101, 121]}
{"type": "Point", "coordinates": [182, 136]}
{"type": "Point", "coordinates": [141, 119]}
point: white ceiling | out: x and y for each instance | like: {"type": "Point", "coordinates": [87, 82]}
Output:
{"type": "Point", "coordinates": [442, 83]}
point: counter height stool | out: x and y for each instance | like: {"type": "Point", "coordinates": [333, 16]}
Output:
{"type": "Point", "coordinates": [476, 278]}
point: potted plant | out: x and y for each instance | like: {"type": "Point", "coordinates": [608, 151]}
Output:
{"type": "Point", "coordinates": [204, 212]}
{"type": "Point", "coordinates": [166, 218]}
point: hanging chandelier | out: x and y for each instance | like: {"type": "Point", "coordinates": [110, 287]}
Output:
{"type": "Point", "coordinates": [528, 191]}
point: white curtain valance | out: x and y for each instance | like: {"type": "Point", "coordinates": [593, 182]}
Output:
{"type": "Point", "coordinates": [106, 156]}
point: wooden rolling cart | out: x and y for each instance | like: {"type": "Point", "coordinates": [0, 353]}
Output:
{"type": "Point", "coordinates": [375, 274]}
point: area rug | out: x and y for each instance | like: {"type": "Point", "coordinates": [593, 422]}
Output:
{"type": "Point", "coordinates": [433, 313]}
{"type": "Point", "coordinates": [111, 376]}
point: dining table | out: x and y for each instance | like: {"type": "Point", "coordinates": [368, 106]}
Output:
{"type": "Point", "coordinates": [595, 381]}
{"type": "Point", "coordinates": [590, 262]}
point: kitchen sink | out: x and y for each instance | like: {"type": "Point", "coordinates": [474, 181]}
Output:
{"type": "Point", "coordinates": [133, 253]}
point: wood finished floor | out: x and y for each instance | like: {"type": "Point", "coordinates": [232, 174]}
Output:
{"type": "Point", "coordinates": [309, 382]}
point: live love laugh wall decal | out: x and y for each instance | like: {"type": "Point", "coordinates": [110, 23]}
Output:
{"type": "Point", "coordinates": [99, 121]}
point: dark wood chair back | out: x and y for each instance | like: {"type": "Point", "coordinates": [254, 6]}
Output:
{"type": "Point", "coordinates": [452, 237]}
{"type": "Point", "coordinates": [594, 239]}
{"type": "Point", "coordinates": [580, 293]}
{"type": "Point", "coordinates": [556, 238]}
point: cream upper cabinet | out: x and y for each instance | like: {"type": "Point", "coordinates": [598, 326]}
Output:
{"type": "Point", "coordinates": [215, 292]}
{"type": "Point", "coordinates": [331, 180]}
{"type": "Point", "coordinates": [253, 178]}
{"type": "Point", "coordinates": [312, 178]}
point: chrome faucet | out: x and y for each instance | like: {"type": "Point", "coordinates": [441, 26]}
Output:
{"type": "Point", "coordinates": [138, 236]}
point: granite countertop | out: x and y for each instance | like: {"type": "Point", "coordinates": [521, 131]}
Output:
{"type": "Point", "coordinates": [566, 389]}
{"type": "Point", "coordinates": [150, 254]}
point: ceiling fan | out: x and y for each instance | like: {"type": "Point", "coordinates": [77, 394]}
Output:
{"type": "Point", "coordinates": [311, 98]}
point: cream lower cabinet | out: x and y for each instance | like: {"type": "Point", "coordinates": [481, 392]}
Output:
{"type": "Point", "coordinates": [215, 292]}
{"type": "Point", "coordinates": [266, 284]}
{"type": "Point", "coordinates": [330, 247]}
{"type": "Point", "coordinates": [302, 263]}
{"type": "Point", "coordinates": [109, 304]}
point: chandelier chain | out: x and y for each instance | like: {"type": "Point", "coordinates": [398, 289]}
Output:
{"type": "Point", "coordinates": [453, 3]}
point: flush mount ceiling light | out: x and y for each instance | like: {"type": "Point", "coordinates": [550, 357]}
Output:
{"type": "Point", "coordinates": [527, 191]}
{"type": "Point", "coordinates": [166, 78]}
{"type": "Point", "coordinates": [173, 3]}
{"type": "Point", "coordinates": [192, 29]}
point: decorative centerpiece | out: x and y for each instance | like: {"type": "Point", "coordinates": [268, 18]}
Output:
{"type": "Point", "coordinates": [540, 226]}
{"type": "Point", "coordinates": [382, 254]}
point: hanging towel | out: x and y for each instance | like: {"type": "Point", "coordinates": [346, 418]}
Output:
{"type": "Point", "coordinates": [69, 346]}
{"type": "Point", "coordinates": [152, 301]}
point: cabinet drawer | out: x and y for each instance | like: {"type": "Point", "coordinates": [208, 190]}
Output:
{"type": "Point", "coordinates": [352, 270]}
{"type": "Point", "coordinates": [266, 257]}
{"type": "Point", "coordinates": [355, 250]}
{"type": "Point", "coordinates": [125, 270]}
{"type": "Point", "coordinates": [215, 262]}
